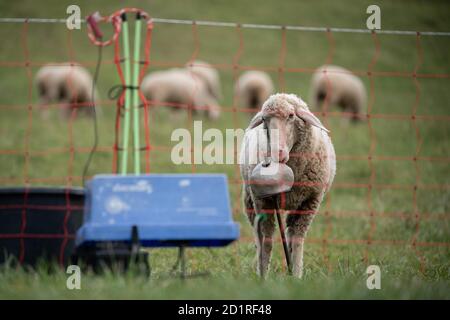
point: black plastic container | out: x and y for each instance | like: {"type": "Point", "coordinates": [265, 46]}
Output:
{"type": "Point", "coordinates": [39, 223]}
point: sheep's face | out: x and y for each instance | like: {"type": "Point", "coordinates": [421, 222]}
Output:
{"type": "Point", "coordinates": [46, 90]}
{"type": "Point", "coordinates": [288, 119]}
{"type": "Point", "coordinates": [43, 92]}
{"type": "Point", "coordinates": [282, 135]}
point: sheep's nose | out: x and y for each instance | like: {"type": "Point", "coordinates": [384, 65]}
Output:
{"type": "Point", "coordinates": [283, 156]}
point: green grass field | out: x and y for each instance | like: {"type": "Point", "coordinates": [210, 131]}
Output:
{"type": "Point", "coordinates": [337, 251]}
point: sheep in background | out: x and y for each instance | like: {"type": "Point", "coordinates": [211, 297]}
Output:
{"type": "Point", "coordinates": [300, 133]}
{"type": "Point", "coordinates": [333, 85]}
{"type": "Point", "coordinates": [68, 85]}
{"type": "Point", "coordinates": [179, 86]}
{"type": "Point", "coordinates": [253, 88]}
{"type": "Point", "coordinates": [209, 75]}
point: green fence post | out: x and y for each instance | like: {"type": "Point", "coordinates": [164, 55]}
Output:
{"type": "Point", "coordinates": [126, 127]}
{"type": "Point", "coordinates": [137, 45]}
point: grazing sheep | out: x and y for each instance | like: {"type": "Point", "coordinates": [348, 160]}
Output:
{"type": "Point", "coordinates": [179, 86]}
{"type": "Point", "coordinates": [253, 88]}
{"type": "Point", "coordinates": [209, 75]}
{"type": "Point", "coordinates": [304, 145]}
{"type": "Point", "coordinates": [333, 85]}
{"type": "Point", "coordinates": [68, 85]}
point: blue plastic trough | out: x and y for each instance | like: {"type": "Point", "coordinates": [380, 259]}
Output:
{"type": "Point", "coordinates": [124, 213]}
{"type": "Point", "coordinates": [167, 209]}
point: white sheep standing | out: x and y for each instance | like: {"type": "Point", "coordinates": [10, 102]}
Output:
{"type": "Point", "coordinates": [336, 86]}
{"type": "Point", "coordinates": [209, 75]}
{"type": "Point", "coordinates": [68, 85]}
{"type": "Point", "coordinates": [179, 86]}
{"type": "Point", "coordinates": [253, 88]}
{"type": "Point", "coordinates": [304, 145]}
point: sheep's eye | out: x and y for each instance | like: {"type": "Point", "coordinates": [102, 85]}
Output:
{"type": "Point", "coordinates": [291, 116]}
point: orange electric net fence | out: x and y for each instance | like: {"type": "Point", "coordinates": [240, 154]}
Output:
{"type": "Point", "coordinates": [31, 163]}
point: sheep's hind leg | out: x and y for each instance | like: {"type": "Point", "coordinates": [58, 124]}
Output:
{"type": "Point", "coordinates": [297, 227]}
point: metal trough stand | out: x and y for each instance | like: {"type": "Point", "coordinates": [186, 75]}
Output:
{"type": "Point", "coordinates": [126, 213]}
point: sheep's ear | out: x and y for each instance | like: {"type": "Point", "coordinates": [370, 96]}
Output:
{"type": "Point", "coordinates": [310, 118]}
{"type": "Point", "coordinates": [256, 121]}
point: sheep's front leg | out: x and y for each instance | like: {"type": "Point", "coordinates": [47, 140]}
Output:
{"type": "Point", "coordinates": [297, 227]}
{"type": "Point", "coordinates": [264, 227]}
